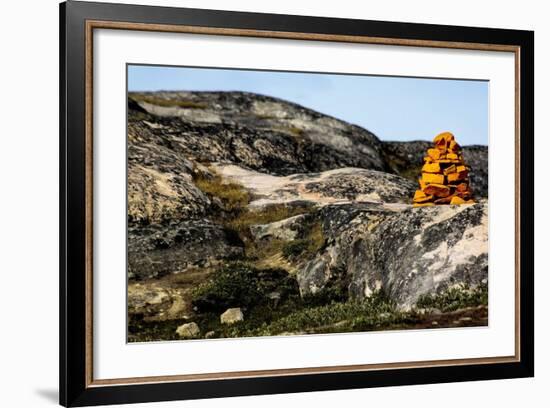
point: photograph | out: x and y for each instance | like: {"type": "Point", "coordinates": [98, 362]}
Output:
{"type": "Point", "coordinates": [275, 203]}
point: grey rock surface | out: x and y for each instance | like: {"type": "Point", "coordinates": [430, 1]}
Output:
{"type": "Point", "coordinates": [232, 315]}
{"type": "Point", "coordinates": [405, 253]}
{"type": "Point", "coordinates": [259, 132]}
{"type": "Point", "coordinates": [156, 250]}
{"type": "Point", "coordinates": [189, 330]}
{"type": "Point", "coordinates": [355, 186]}
{"type": "Point", "coordinates": [340, 186]}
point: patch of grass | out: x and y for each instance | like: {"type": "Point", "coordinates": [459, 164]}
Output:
{"type": "Point", "coordinates": [237, 218]}
{"type": "Point", "coordinates": [262, 250]}
{"type": "Point", "coordinates": [166, 102]}
{"type": "Point", "coordinates": [369, 314]}
{"type": "Point", "coordinates": [310, 244]}
{"type": "Point", "coordinates": [241, 285]}
{"type": "Point", "coordinates": [294, 248]}
{"type": "Point", "coordinates": [456, 298]}
{"type": "Point", "coordinates": [140, 331]}
{"type": "Point", "coordinates": [232, 195]}
{"type": "Point", "coordinates": [316, 238]}
{"type": "Point", "coordinates": [291, 314]}
{"type": "Point", "coordinates": [266, 215]}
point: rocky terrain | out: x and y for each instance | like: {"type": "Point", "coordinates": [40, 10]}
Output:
{"type": "Point", "coordinates": [249, 215]}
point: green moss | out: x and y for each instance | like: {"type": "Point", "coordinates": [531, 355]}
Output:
{"type": "Point", "coordinates": [140, 331]}
{"type": "Point", "coordinates": [456, 298]}
{"type": "Point", "coordinates": [168, 102]}
{"type": "Point", "coordinates": [289, 313]}
{"type": "Point", "coordinates": [369, 314]}
{"type": "Point", "coordinates": [241, 285]}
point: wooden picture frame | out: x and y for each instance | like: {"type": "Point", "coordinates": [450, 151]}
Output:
{"type": "Point", "coordinates": [78, 20]}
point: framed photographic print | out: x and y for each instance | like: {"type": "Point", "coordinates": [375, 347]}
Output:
{"type": "Point", "coordinates": [255, 203]}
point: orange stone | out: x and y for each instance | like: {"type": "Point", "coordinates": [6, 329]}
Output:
{"type": "Point", "coordinates": [444, 200]}
{"type": "Point", "coordinates": [450, 169]}
{"type": "Point", "coordinates": [453, 177]}
{"type": "Point", "coordinates": [441, 145]}
{"type": "Point", "coordinates": [455, 161]}
{"type": "Point", "coordinates": [457, 201]}
{"type": "Point", "coordinates": [421, 197]}
{"type": "Point", "coordinates": [444, 178]}
{"type": "Point", "coordinates": [453, 146]}
{"type": "Point", "coordinates": [434, 154]}
{"type": "Point", "coordinates": [438, 190]}
{"type": "Point", "coordinates": [462, 187]}
{"type": "Point", "coordinates": [431, 168]}
{"type": "Point", "coordinates": [431, 178]}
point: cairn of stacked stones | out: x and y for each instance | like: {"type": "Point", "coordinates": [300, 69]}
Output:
{"type": "Point", "coordinates": [444, 177]}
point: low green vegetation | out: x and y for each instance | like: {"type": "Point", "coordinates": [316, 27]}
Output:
{"type": "Point", "coordinates": [272, 213]}
{"type": "Point", "coordinates": [242, 285]}
{"type": "Point", "coordinates": [272, 306]}
{"type": "Point", "coordinates": [237, 217]}
{"type": "Point", "coordinates": [167, 102]}
{"type": "Point", "coordinates": [369, 314]}
{"type": "Point", "coordinates": [455, 298]}
{"type": "Point", "coordinates": [269, 296]}
{"type": "Point", "coordinates": [313, 241]}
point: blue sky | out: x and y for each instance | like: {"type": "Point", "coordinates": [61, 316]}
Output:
{"type": "Point", "coordinates": [393, 108]}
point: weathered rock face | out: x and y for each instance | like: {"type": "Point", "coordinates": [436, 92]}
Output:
{"type": "Point", "coordinates": [352, 186]}
{"type": "Point", "coordinates": [156, 250]}
{"type": "Point", "coordinates": [333, 186]}
{"type": "Point", "coordinates": [157, 302]}
{"type": "Point", "coordinates": [405, 253]}
{"type": "Point", "coordinates": [287, 230]}
{"type": "Point", "coordinates": [160, 180]}
{"type": "Point", "coordinates": [478, 159]}
{"type": "Point", "coordinates": [259, 132]}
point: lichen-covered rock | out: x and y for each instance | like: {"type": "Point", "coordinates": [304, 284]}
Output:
{"type": "Point", "coordinates": [160, 180]}
{"type": "Point", "coordinates": [260, 132]}
{"type": "Point", "coordinates": [362, 185]}
{"type": "Point", "coordinates": [156, 250]}
{"type": "Point", "coordinates": [338, 186]}
{"type": "Point", "coordinates": [405, 253]}
{"type": "Point", "coordinates": [232, 315]}
{"type": "Point", "coordinates": [153, 302]}
{"type": "Point", "coordinates": [189, 330]}
{"type": "Point", "coordinates": [353, 187]}
{"type": "Point", "coordinates": [286, 230]}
